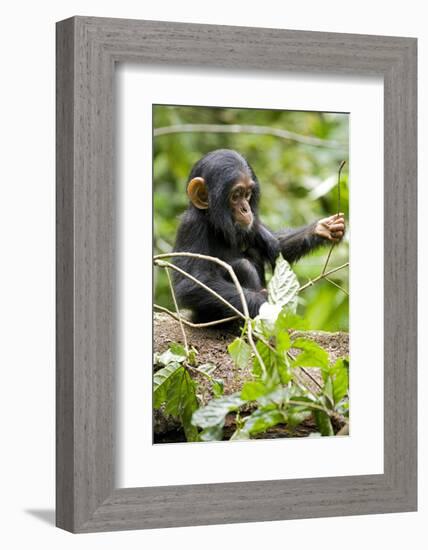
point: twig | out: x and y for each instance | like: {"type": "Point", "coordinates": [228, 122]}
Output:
{"type": "Point", "coordinates": [189, 323]}
{"type": "Point", "coordinates": [322, 276]}
{"type": "Point", "coordinates": [163, 263]}
{"type": "Point", "coordinates": [296, 381]}
{"type": "Point", "coordinates": [186, 347]}
{"type": "Point", "coordinates": [314, 380]}
{"type": "Point", "coordinates": [342, 164]}
{"type": "Point", "coordinates": [328, 258]}
{"type": "Point", "coordinates": [338, 286]}
{"type": "Point", "coordinates": [247, 129]}
{"type": "Point", "coordinates": [306, 372]}
{"type": "Point", "coordinates": [290, 356]}
{"type": "Point", "coordinates": [230, 270]}
{"type": "Point", "coordinates": [311, 405]}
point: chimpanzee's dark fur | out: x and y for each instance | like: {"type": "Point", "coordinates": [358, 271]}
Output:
{"type": "Point", "coordinates": [214, 232]}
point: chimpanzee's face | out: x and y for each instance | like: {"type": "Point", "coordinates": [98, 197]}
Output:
{"type": "Point", "coordinates": [239, 202]}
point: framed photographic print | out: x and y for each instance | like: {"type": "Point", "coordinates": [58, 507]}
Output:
{"type": "Point", "coordinates": [236, 274]}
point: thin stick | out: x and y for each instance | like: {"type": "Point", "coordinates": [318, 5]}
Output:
{"type": "Point", "coordinates": [235, 280]}
{"type": "Point", "coordinates": [305, 371]}
{"type": "Point", "coordinates": [322, 276]}
{"type": "Point", "coordinates": [314, 380]}
{"type": "Point", "coordinates": [328, 258]}
{"type": "Point", "coordinates": [186, 347]}
{"type": "Point", "coordinates": [164, 264]}
{"type": "Point", "coordinates": [342, 164]}
{"type": "Point", "coordinates": [247, 129]}
{"type": "Point", "coordinates": [311, 405]}
{"type": "Point", "coordinates": [273, 350]}
{"type": "Point", "coordinates": [189, 323]}
{"type": "Point", "coordinates": [338, 286]}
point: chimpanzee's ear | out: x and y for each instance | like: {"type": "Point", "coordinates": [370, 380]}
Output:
{"type": "Point", "coordinates": [198, 193]}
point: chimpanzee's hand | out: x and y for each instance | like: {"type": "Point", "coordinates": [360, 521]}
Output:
{"type": "Point", "coordinates": [332, 228]}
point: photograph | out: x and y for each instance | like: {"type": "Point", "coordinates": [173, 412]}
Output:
{"type": "Point", "coordinates": [251, 241]}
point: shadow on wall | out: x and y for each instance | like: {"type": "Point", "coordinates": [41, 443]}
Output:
{"type": "Point", "coordinates": [44, 514]}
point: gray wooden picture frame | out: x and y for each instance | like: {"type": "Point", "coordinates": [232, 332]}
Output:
{"type": "Point", "coordinates": [87, 51]}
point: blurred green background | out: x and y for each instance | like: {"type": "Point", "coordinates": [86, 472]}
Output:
{"type": "Point", "coordinates": [298, 183]}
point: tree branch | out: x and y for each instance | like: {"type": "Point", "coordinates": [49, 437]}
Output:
{"type": "Point", "coordinates": [188, 323]}
{"type": "Point", "coordinates": [336, 285]}
{"type": "Point", "coordinates": [164, 264]}
{"type": "Point", "coordinates": [322, 276]}
{"type": "Point", "coordinates": [171, 287]}
{"type": "Point", "coordinates": [342, 164]}
{"type": "Point", "coordinates": [158, 260]}
{"type": "Point", "coordinates": [248, 129]}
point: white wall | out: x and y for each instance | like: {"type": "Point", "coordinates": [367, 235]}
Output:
{"type": "Point", "coordinates": [27, 272]}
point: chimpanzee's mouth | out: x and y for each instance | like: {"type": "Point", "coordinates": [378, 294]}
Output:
{"type": "Point", "coordinates": [244, 226]}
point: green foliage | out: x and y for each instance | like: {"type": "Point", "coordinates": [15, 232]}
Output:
{"type": "Point", "coordinates": [262, 419]}
{"type": "Point", "coordinates": [283, 286]}
{"type": "Point", "coordinates": [313, 355]}
{"type": "Point", "coordinates": [240, 352]}
{"type": "Point", "coordinates": [276, 392]}
{"type": "Point", "coordinates": [298, 186]}
{"type": "Point", "coordinates": [176, 353]}
{"type": "Point", "coordinates": [181, 401]}
{"type": "Point", "coordinates": [324, 423]}
{"type": "Point", "coordinates": [161, 383]}
{"type": "Point", "coordinates": [217, 384]}
{"type": "Point", "coordinates": [215, 412]}
{"type": "Point", "coordinates": [174, 387]}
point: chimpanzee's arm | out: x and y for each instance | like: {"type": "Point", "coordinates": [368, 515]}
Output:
{"type": "Point", "coordinates": [207, 307]}
{"type": "Point", "coordinates": [267, 243]}
{"type": "Point", "coordinates": [295, 243]}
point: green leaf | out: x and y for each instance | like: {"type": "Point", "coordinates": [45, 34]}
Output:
{"type": "Point", "coordinates": [328, 391]}
{"type": "Point", "coordinates": [261, 420]}
{"type": "Point", "coordinates": [178, 349]}
{"type": "Point", "coordinates": [288, 320]}
{"type": "Point", "coordinates": [176, 393]}
{"type": "Point", "coordinates": [284, 286]}
{"type": "Point", "coordinates": [284, 369]}
{"type": "Point", "coordinates": [240, 352]}
{"type": "Point", "coordinates": [340, 384]}
{"type": "Point", "coordinates": [275, 398]}
{"type": "Point", "coordinates": [296, 416]}
{"type": "Point", "coordinates": [161, 382]}
{"type": "Point", "coordinates": [192, 357]}
{"type": "Point", "coordinates": [341, 363]}
{"type": "Point", "coordinates": [324, 423]}
{"type": "Point", "coordinates": [181, 402]}
{"type": "Point", "coordinates": [240, 435]}
{"type": "Point", "coordinates": [214, 413]}
{"type": "Point", "coordinates": [174, 354]}
{"type": "Point", "coordinates": [283, 342]}
{"type": "Point", "coordinates": [268, 358]}
{"type": "Point", "coordinates": [312, 355]}
{"type": "Point", "coordinates": [207, 368]}
{"type": "Point", "coordinates": [213, 433]}
{"type": "Point", "coordinates": [218, 387]}
{"type": "Point", "coordinates": [253, 390]}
